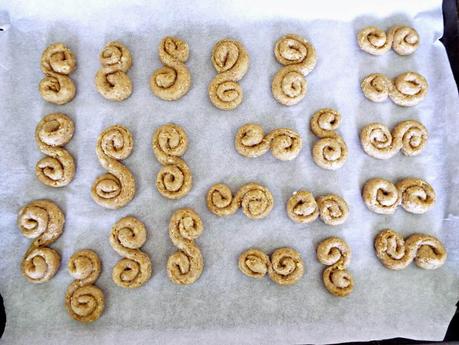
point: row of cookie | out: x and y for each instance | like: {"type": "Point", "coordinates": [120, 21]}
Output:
{"type": "Point", "coordinates": [171, 82]}
{"type": "Point", "coordinates": [404, 40]}
{"type": "Point", "coordinates": [43, 221]}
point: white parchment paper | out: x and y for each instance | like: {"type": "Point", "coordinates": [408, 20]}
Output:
{"type": "Point", "coordinates": [224, 306]}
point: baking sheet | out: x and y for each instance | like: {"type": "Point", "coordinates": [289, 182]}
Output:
{"type": "Point", "coordinates": [224, 306]}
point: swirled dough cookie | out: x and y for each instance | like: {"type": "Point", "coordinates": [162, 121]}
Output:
{"type": "Point", "coordinates": [405, 40]}
{"type": "Point", "coordinates": [408, 136]}
{"type": "Point", "coordinates": [185, 266]}
{"type": "Point", "coordinates": [287, 266]}
{"type": "Point", "coordinates": [417, 196]}
{"type": "Point", "coordinates": [127, 237]}
{"type": "Point", "coordinates": [251, 141]}
{"type": "Point", "coordinates": [330, 152]}
{"type": "Point", "coordinates": [336, 254]}
{"type": "Point", "coordinates": [374, 40]}
{"type": "Point", "coordinates": [396, 253]}
{"type": "Point", "coordinates": [255, 200]}
{"type": "Point", "coordinates": [381, 196]}
{"type": "Point", "coordinates": [333, 209]}
{"type": "Point", "coordinates": [302, 207]}
{"type": "Point", "coordinates": [254, 263]}
{"type": "Point", "coordinates": [172, 81]}
{"type": "Point", "coordinates": [51, 134]}
{"type": "Point", "coordinates": [57, 62]}
{"type": "Point", "coordinates": [42, 221]}
{"type": "Point", "coordinates": [231, 61]}
{"type": "Point", "coordinates": [376, 87]}
{"type": "Point", "coordinates": [84, 301]}
{"type": "Point", "coordinates": [299, 58]}
{"type": "Point", "coordinates": [408, 89]}
{"type": "Point", "coordinates": [116, 188]}
{"type": "Point", "coordinates": [174, 179]}
{"type": "Point", "coordinates": [112, 80]}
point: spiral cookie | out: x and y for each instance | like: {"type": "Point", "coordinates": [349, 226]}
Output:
{"type": "Point", "coordinates": [376, 87]}
{"type": "Point", "coordinates": [250, 141]}
{"type": "Point", "coordinates": [417, 196]}
{"type": "Point", "coordinates": [330, 152]}
{"type": "Point", "coordinates": [169, 143]}
{"type": "Point", "coordinates": [255, 200]}
{"type": "Point", "coordinates": [231, 61]}
{"type": "Point", "coordinates": [254, 263]}
{"type": "Point", "coordinates": [84, 301]}
{"type": "Point", "coordinates": [381, 196]}
{"type": "Point", "coordinates": [299, 58]}
{"type": "Point", "coordinates": [336, 254]}
{"type": "Point", "coordinates": [408, 136]}
{"type": "Point", "coordinates": [112, 81]}
{"type": "Point", "coordinates": [42, 221]}
{"type": "Point", "coordinates": [172, 81]}
{"type": "Point", "coordinates": [127, 237]}
{"type": "Point", "coordinates": [53, 132]}
{"type": "Point", "coordinates": [408, 89]}
{"type": "Point", "coordinates": [185, 266]}
{"type": "Point", "coordinates": [57, 62]}
{"type": "Point", "coordinates": [403, 40]}
{"type": "Point", "coordinates": [117, 187]}
{"type": "Point", "coordinates": [396, 253]}
{"type": "Point", "coordinates": [302, 207]}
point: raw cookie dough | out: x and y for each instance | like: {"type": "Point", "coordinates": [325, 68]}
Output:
{"type": "Point", "coordinates": [299, 58]}
{"type": "Point", "coordinates": [336, 254]}
{"type": "Point", "coordinates": [84, 301]}
{"type": "Point", "coordinates": [57, 62]}
{"type": "Point", "coordinates": [376, 87]}
{"type": "Point", "coordinates": [127, 237]}
{"type": "Point", "coordinates": [254, 263]}
{"type": "Point", "coordinates": [408, 136]}
{"type": "Point", "coordinates": [302, 207]}
{"type": "Point", "coordinates": [250, 141]}
{"type": "Point", "coordinates": [42, 221]}
{"type": "Point", "coordinates": [255, 200]}
{"type": "Point", "coordinates": [396, 253]}
{"type": "Point", "coordinates": [333, 209]}
{"type": "Point", "coordinates": [112, 81]}
{"type": "Point", "coordinates": [417, 196]}
{"type": "Point", "coordinates": [231, 61]}
{"type": "Point", "coordinates": [381, 196]}
{"type": "Point", "coordinates": [169, 143]}
{"type": "Point", "coordinates": [408, 89]}
{"type": "Point", "coordinates": [330, 152]}
{"type": "Point", "coordinates": [287, 266]}
{"type": "Point", "coordinates": [185, 266]}
{"type": "Point", "coordinates": [52, 132]}
{"type": "Point", "coordinates": [404, 40]}
{"type": "Point", "coordinates": [172, 81]}
{"type": "Point", "coordinates": [116, 188]}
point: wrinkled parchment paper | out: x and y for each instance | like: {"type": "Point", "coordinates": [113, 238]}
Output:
{"type": "Point", "coordinates": [224, 306]}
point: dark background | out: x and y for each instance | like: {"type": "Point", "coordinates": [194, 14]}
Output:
{"type": "Point", "coordinates": [450, 40]}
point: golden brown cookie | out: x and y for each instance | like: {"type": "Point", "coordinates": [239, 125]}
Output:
{"type": "Point", "coordinates": [231, 61]}
{"type": "Point", "coordinates": [287, 266]}
{"type": "Point", "coordinates": [250, 141]}
{"type": "Point", "coordinates": [299, 58]}
{"type": "Point", "coordinates": [396, 253]}
{"type": "Point", "coordinates": [254, 263]}
{"type": "Point", "coordinates": [112, 81]}
{"type": "Point", "coordinates": [84, 301]}
{"type": "Point", "coordinates": [185, 265]}
{"type": "Point", "coordinates": [417, 196]}
{"type": "Point", "coordinates": [255, 200]}
{"type": "Point", "coordinates": [42, 221]}
{"type": "Point", "coordinates": [169, 143]}
{"type": "Point", "coordinates": [335, 253]}
{"type": "Point", "coordinates": [127, 237]}
{"type": "Point", "coordinates": [172, 81]}
{"type": "Point", "coordinates": [330, 152]}
{"type": "Point", "coordinates": [51, 134]}
{"type": "Point", "coordinates": [57, 62]}
{"type": "Point", "coordinates": [408, 136]}
{"type": "Point", "coordinates": [116, 188]}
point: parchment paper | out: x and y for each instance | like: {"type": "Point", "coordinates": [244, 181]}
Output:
{"type": "Point", "coordinates": [224, 306]}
